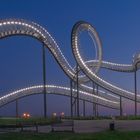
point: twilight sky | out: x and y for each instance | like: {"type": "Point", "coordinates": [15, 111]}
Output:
{"type": "Point", "coordinates": [117, 23]}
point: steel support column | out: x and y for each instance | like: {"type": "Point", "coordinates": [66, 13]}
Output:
{"type": "Point", "coordinates": [71, 104]}
{"type": "Point", "coordinates": [44, 80]}
{"type": "Point", "coordinates": [84, 109]}
{"type": "Point", "coordinates": [94, 104]}
{"type": "Point", "coordinates": [121, 111]}
{"type": "Point", "coordinates": [17, 113]}
{"type": "Point", "coordinates": [135, 84]}
{"type": "Point", "coordinates": [97, 111]}
{"type": "Point", "coordinates": [77, 86]}
{"type": "Point", "coordinates": [75, 106]}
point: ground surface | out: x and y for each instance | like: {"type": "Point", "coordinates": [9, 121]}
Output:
{"type": "Point", "coordinates": [108, 135]}
{"type": "Point", "coordinates": [84, 130]}
{"type": "Point", "coordinates": [80, 126]}
{"type": "Point", "coordinates": [85, 126]}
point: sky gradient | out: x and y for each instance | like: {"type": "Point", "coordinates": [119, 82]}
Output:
{"type": "Point", "coordinates": [117, 23]}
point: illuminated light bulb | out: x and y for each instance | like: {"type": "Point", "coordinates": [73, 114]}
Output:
{"type": "Point", "coordinates": [54, 114]}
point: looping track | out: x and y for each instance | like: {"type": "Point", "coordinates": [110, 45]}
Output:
{"type": "Point", "coordinates": [12, 27]}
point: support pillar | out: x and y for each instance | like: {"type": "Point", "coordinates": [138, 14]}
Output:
{"type": "Point", "coordinates": [94, 104]}
{"type": "Point", "coordinates": [75, 107]}
{"type": "Point", "coordinates": [77, 86]}
{"type": "Point", "coordinates": [71, 104]}
{"type": "Point", "coordinates": [17, 113]}
{"type": "Point", "coordinates": [135, 84]}
{"type": "Point", "coordinates": [97, 111]}
{"type": "Point", "coordinates": [84, 109]}
{"type": "Point", "coordinates": [44, 80]}
{"type": "Point", "coordinates": [121, 111]}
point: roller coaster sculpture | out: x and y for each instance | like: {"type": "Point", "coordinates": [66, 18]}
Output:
{"type": "Point", "coordinates": [90, 68]}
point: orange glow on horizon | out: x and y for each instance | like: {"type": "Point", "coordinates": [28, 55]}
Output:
{"type": "Point", "coordinates": [26, 115]}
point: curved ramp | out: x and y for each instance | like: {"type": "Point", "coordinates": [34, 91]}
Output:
{"type": "Point", "coordinates": [52, 89]}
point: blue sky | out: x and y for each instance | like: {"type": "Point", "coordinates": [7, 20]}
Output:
{"type": "Point", "coordinates": [116, 21]}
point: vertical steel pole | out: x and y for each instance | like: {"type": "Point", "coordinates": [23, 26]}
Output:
{"type": "Point", "coordinates": [135, 82]}
{"type": "Point", "coordinates": [44, 80]}
{"type": "Point", "coordinates": [77, 84]}
{"type": "Point", "coordinates": [97, 111]}
{"type": "Point", "coordinates": [17, 114]}
{"type": "Point", "coordinates": [94, 104]}
{"type": "Point", "coordinates": [121, 106]}
{"type": "Point", "coordinates": [71, 105]}
{"type": "Point", "coordinates": [75, 107]}
{"type": "Point", "coordinates": [84, 109]}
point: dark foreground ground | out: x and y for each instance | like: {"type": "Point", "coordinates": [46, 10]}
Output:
{"type": "Point", "coordinates": [107, 135]}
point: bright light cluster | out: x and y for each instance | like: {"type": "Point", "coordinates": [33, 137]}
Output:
{"type": "Point", "coordinates": [26, 115]}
